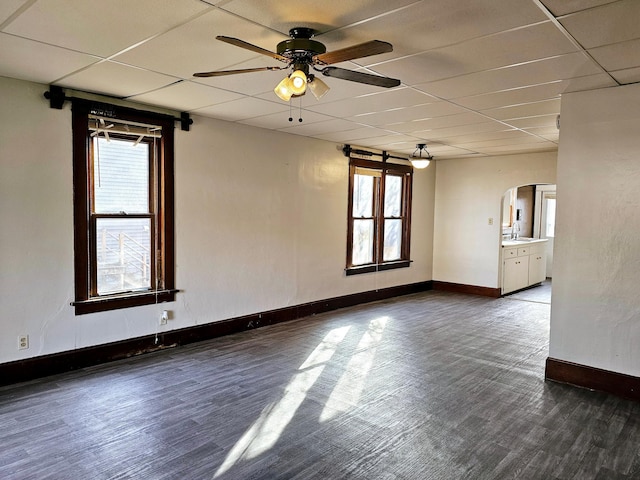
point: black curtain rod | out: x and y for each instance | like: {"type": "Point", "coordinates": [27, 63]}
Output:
{"type": "Point", "coordinates": [347, 150]}
{"type": "Point", "coordinates": [56, 98]}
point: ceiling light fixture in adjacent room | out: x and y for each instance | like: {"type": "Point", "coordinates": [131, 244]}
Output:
{"type": "Point", "coordinates": [418, 161]}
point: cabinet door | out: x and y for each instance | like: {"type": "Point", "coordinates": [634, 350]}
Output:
{"type": "Point", "coordinates": [515, 274]}
{"type": "Point", "coordinates": [537, 268]}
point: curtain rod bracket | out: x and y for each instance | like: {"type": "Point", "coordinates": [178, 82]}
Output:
{"type": "Point", "coordinates": [56, 97]}
{"type": "Point", "coordinates": [185, 121]}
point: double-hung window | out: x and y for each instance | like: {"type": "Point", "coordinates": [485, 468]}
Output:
{"type": "Point", "coordinates": [379, 220]}
{"type": "Point", "coordinates": [123, 207]}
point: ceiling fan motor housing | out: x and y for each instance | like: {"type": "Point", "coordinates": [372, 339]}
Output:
{"type": "Point", "coordinates": [300, 47]}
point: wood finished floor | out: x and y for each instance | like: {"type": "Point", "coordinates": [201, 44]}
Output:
{"type": "Point", "coordinates": [434, 385]}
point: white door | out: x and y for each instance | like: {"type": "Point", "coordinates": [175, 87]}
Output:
{"type": "Point", "coordinates": [548, 225]}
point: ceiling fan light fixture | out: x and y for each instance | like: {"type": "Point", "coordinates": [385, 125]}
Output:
{"type": "Point", "coordinates": [317, 87]}
{"type": "Point", "coordinates": [298, 82]}
{"type": "Point", "coordinates": [418, 161]}
{"type": "Point", "coordinates": [283, 89]}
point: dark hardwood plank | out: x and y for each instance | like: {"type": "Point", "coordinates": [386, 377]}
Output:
{"type": "Point", "coordinates": [433, 385]}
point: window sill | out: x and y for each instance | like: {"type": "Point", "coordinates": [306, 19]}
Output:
{"type": "Point", "coordinates": [377, 268]}
{"type": "Point", "coordinates": [125, 300]}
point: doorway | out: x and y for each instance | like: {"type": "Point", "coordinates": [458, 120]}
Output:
{"type": "Point", "coordinates": [528, 212]}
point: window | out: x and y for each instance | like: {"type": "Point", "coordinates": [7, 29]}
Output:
{"type": "Point", "coordinates": [379, 228]}
{"type": "Point", "coordinates": [123, 207]}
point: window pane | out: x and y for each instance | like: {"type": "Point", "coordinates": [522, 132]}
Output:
{"type": "Point", "coordinates": [551, 217]}
{"type": "Point", "coordinates": [362, 242]}
{"type": "Point", "coordinates": [123, 253]}
{"type": "Point", "coordinates": [362, 195]}
{"type": "Point", "coordinates": [392, 240]}
{"type": "Point", "coordinates": [392, 196]}
{"type": "Point", "coordinates": [120, 176]}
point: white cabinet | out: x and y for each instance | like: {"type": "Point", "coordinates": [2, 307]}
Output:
{"type": "Point", "coordinates": [537, 266]}
{"type": "Point", "coordinates": [515, 274]}
{"type": "Point", "coordinates": [523, 265]}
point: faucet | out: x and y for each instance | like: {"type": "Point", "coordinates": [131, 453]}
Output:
{"type": "Point", "coordinates": [515, 229]}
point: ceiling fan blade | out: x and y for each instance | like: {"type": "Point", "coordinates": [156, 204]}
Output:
{"type": "Point", "coordinates": [249, 46]}
{"type": "Point", "coordinates": [221, 73]}
{"type": "Point", "coordinates": [360, 77]}
{"type": "Point", "coordinates": [374, 47]}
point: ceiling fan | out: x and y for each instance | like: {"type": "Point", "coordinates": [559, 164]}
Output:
{"type": "Point", "coordinates": [300, 52]}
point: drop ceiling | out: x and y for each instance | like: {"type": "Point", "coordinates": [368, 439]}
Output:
{"type": "Point", "coordinates": [479, 77]}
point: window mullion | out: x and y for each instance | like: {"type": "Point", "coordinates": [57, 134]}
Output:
{"type": "Point", "coordinates": [380, 218]}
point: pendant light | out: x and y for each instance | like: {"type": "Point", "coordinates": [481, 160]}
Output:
{"type": "Point", "coordinates": [418, 161]}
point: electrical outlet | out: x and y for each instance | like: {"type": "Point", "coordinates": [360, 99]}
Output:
{"type": "Point", "coordinates": [23, 342]}
{"type": "Point", "coordinates": [164, 317]}
{"type": "Point", "coordinates": [490, 220]}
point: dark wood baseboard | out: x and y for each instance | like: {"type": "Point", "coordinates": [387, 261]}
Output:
{"type": "Point", "coordinates": [593, 378]}
{"type": "Point", "coordinates": [35, 367]}
{"type": "Point", "coordinates": [469, 289]}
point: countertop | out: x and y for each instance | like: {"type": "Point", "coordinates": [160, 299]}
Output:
{"type": "Point", "coordinates": [523, 241]}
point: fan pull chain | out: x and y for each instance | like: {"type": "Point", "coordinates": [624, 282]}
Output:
{"type": "Point", "coordinates": [290, 114]}
{"type": "Point", "coordinates": [300, 115]}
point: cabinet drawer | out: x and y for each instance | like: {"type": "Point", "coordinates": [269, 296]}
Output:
{"type": "Point", "coordinates": [509, 252]}
{"type": "Point", "coordinates": [522, 251]}
{"type": "Point", "coordinates": [536, 248]}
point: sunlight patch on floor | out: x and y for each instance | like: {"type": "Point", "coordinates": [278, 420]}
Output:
{"type": "Point", "coordinates": [346, 394]}
{"type": "Point", "coordinates": [266, 430]}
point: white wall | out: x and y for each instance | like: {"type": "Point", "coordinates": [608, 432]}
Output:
{"type": "Point", "coordinates": [468, 192]}
{"type": "Point", "coordinates": [260, 224]}
{"type": "Point", "coordinates": [595, 313]}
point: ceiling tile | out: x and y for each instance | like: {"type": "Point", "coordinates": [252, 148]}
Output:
{"type": "Point", "coordinates": [243, 108]}
{"type": "Point", "coordinates": [409, 114]}
{"type": "Point", "coordinates": [443, 133]}
{"type": "Point", "coordinates": [529, 122]}
{"type": "Point", "coordinates": [629, 75]}
{"type": "Point", "coordinates": [318, 128]}
{"type": "Point", "coordinates": [589, 82]}
{"type": "Point", "coordinates": [322, 16]}
{"type": "Point", "coordinates": [185, 96]}
{"type": "Point", "coordinates": [440, 122]}
{"type": "Point", "coordinates": [538, 146]}
{"type": "Point", "coordinates": [437, 23]}
{"type": "Point", "coordinates": [276, 121]}
{"type": "Point", "coordinates": [549, 133]}
{"type": "Point", "coordinates": [100, 28]}
{"type": "Point", "coordinates": [385, 99]}
{"type": "Point", "coordinates": [37, 62]}
{"type": "Point", "coordinates": [389, 140]}
{"type": "Point", "coordinates": [193, 47]}
{"type": "Point", "coordinates": [99, 78]}
{"type": "Point", "coordinates": [529, 73]}
{"type": "Point", "coordinates": [621, 25]}
{"type": "Point", "coordinates": [513, 96]}
{"type": "Point", "coordinates": [451, 152]}
{"type": "Point", "coordinates": [507, 48]}
{"type": "Point", "coordinates": [352, 135]}
{"type": "Point", "coordinates": [563, 7]}
{"type": "Point", "coordinates": [545, 107]}
{"type": "Point", "coordinates": [9, 7]}
{"type": "Point", "coordinates": [521, 139]}
{"type": "Point", "coordinates": [483, 136]}
{"type": "Point", "coordinates": [618, 56]}
{"type": "Point", "coordinates": [543, 131]}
